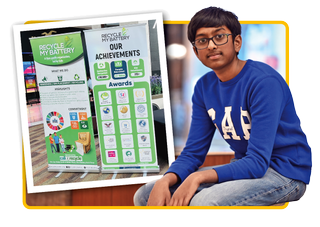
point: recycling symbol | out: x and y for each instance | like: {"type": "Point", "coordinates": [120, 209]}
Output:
{"type": "Point", "coordinates": [128, 153]}
{"type": "Point", "coordinates": [76, 77]}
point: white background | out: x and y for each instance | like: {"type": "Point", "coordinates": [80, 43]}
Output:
{"type": "Point", "coordinates": [302, 18]}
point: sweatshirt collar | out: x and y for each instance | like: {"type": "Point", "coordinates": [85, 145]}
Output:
{"type": "Point", "coordinates": [237, 77]}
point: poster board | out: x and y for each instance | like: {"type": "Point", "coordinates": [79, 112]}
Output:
{"type": "Point", "coordinates": [119, 63]}
{"type": "Point", "coordinates": [33, 150]}
{"type": "Point", "coordinates": [63, 90]}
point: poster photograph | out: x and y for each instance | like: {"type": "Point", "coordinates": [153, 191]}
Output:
{"type": "Point", "coordinates": [93, 120]}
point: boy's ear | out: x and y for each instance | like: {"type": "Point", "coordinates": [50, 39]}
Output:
{"type": "Point", "coordinates": [237, 43]}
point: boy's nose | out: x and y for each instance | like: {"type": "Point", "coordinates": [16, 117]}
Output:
{"type": "Point", "coordinates": [211, 45]}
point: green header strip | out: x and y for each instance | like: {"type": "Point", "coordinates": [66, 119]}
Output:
{"type": "Point", "coordinates": [57, 49]}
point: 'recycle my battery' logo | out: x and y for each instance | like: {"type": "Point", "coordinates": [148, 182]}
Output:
{"type": "Point", "coordinates": [115, 36]}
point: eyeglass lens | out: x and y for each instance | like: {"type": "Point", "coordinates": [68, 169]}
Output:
{"type": "Point", "coordinates": [218, 40]}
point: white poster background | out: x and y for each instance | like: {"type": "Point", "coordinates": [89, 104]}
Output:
{"type": "Point", "coordinates": [63, 90]}
{"type": "Point", "coordinates": [66, 97]}
{"type": "Point", "coordinates": [123, 43]}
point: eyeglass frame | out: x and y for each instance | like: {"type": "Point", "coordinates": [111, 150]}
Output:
{"type": "Point", "coordinates": [193, 43]}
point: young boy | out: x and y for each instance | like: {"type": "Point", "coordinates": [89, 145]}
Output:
{"type": "Point", "coordinates": [251, 106]}
{"type": "Point", "coordinates": [61, 141]}
{"type": "Point", "coordinates": [52, 143]}
{"type": "Point", "coordinates": [56, 140]}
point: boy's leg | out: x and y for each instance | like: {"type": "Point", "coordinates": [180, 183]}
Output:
{"type": "Point", "coordinates": [53, 147]}
{"type": "Point", "coordinates": [271, 189]}
{"type": "Point", "coordinates": [142, 194]}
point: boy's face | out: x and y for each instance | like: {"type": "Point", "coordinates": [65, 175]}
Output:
{"type": "Point", "coordinates": [217, 57]}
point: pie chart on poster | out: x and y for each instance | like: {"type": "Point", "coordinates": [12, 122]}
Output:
{"type": "Point", "coordinates": [54, 120]}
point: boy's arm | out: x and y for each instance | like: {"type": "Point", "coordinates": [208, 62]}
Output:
{"type": "Point", "coordinates": [199, 138]}
{"type": "Point", "coordinates": [193, 155]}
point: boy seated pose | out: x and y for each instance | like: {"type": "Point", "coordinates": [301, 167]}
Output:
{"type": "Point", "coordinates": [250, 104]}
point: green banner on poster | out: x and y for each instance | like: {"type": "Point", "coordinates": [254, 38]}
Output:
{"type": "Point", "coordinates": [120, 70]}
{"type": "Point", "coordinates": [64, 97]}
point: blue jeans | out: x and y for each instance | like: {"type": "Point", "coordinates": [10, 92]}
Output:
{"type": "Point", "coordinates": [53, 147]}
{"type": "Point", "coordinates": [272, 188]}
{"type": "Point", "coordinates": [62, 147]}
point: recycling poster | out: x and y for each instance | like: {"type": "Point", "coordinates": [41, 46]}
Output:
{"type": "Point", "coordinates": [63, 89]}
{"type": "Point", "coordinates": [120, 70]}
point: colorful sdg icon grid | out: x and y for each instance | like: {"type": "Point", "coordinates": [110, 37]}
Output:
{"type": "Point", "coordinates": [78, 120]}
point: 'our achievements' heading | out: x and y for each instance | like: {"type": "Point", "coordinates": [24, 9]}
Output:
{"type": "Point", "coordinates": [117, 48]}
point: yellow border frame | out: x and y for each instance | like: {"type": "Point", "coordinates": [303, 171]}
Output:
{"type": "Point", "coordinates": [24, 189]}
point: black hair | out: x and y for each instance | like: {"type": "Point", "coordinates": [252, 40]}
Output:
{"type": "Point", "coordinates": [213, 17]}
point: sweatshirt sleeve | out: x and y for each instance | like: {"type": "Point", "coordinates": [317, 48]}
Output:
{"type": "Point", "coordinates": [267, 101]}
{"type": "Point", "coordinates": [199, 138]}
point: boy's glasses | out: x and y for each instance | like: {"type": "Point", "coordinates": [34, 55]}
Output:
{"type": "Point", "coordinates": [218, 40]}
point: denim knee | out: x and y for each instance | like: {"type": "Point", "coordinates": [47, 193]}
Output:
{"type": "Point", "coordinates": [138, 198]}
{"type": "Point", "coordinates": [206, 198]}
{"type": "Point", "coordinates": [298, 189]}
{"type": "Point", "coordinates": [141, 196]}
{"type": "Point", "coordinates": [272, 188]}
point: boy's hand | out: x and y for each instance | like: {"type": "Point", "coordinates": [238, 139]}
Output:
{"type": "Point", "coordinates": [160, 194]}
{"type": "Point", "coordinates": [187, 189]}
{"type": "Point", "coordinates": [185, 192]}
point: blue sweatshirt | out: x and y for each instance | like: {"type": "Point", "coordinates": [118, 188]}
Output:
{"type": "Point", "coordinates": [255, 114]}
